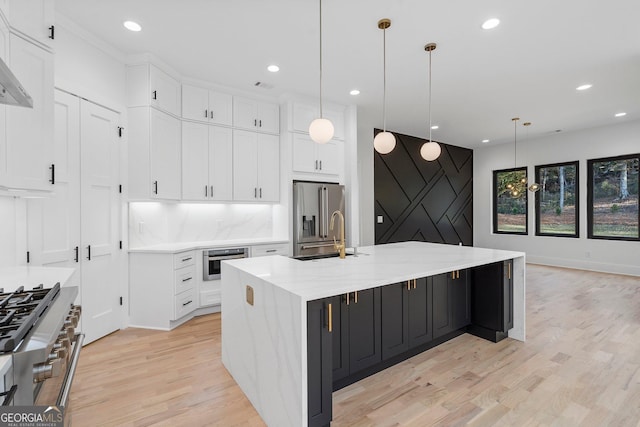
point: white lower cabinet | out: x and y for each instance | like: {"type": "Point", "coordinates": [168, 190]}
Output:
{"type": "Point", "coordinates": [162, 289]}
{"type": "Point", "coordinates": [270, 249]}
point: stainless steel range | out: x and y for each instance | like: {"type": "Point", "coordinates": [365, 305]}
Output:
{"type": "Point", "coordinates": [37, 332]}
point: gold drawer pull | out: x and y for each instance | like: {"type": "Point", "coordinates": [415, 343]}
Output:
{"type": "Point", "coordinates": [330, 318]}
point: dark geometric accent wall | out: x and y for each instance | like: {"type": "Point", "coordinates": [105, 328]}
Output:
{"type": "Point", "coordinates": [420, 200]}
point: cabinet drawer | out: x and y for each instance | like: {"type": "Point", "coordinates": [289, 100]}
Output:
{"type": "Point", "coordinates": [184, 279]}
{"type": "Point", "coordinates": [210, 297]}
{"type": "Point", "coordinates": [185, 303]}
{"type": "Point", "coordinates": [184, 259]}
{"type": "Point", "coordinates": [276, 249]}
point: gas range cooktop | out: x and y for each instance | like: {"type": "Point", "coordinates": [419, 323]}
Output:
{"type": "Point", "coordinates": [20, 311]}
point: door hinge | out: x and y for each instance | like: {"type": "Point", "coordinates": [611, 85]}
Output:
{"type": "Point", "coordinates": [28, 256]}
{"type": "Point", "coordinates": [52, 32]}
{"type": "Point", "coordinates": [120, 300]}
{"type": "Point", "coordinates": [120, 188]}
{"type": "Point", "coordinates": [120, 244]}
{"type": "Point", "coordinates": [120, 129]}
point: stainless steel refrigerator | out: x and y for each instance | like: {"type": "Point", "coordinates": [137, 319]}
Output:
{"type": "Point", "coordinates": [313, 205]}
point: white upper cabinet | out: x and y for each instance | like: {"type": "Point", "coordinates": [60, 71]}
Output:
{"type": "Point", "coordinates": [207, 157]}
{"type": "Point", "coordinates": [206, 105]}
{"type": "Point", "coordinates": [256, 167]}
{"type": "Point", "coordinates": [256, 115]}
{"type": "Point", "coordinates": [147, 85]}
{"type": "Point", "coordinates": [33, 18]}
{"type": "Point", "coordinates": [165, 91]}
{"type": "Point", "coordinates": [154, 154]}
{"type": "Point", "coordinates": [304, 114]}
{"type": "Point", "coordinates": [311, 157]}
{"type": "Point", "coordinates": [165, 156]}
{"type": "Point", "coordinates": [27, 149]}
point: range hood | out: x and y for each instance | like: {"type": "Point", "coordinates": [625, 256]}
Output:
{"type": "Point", "coordinates": [11, 91]}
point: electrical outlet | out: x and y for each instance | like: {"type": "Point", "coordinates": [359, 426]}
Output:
{"type": "Point", "coordinates": [380, 219]}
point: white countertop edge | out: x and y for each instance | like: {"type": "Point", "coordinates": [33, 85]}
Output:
{"type": "Point", "coordinates": [332, 276]}
{"type": "Point", "coordinates": [172, 248]}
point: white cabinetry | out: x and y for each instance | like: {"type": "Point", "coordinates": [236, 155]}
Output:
{"type": "Point", "coordinates": [27, 151]}
{"type": "Point", "coordinates": [154, 154]}
{"type": "Point", "coordinates": [256, 115]}
{"type": "Point", "coordinates": [79, 225]}
{"type": "Point", "coordinates": [162, 289]}
{"type": "Point", "coordinates": [147, 85]}
{"type": "Point", "coordinates": [33, 18]}
{"type": "Point", "coordinates": [206, 105]}
{"type": "Point", "coordinates": [207, 154]}
{"type": "Point", "coordinates": [310, 157]}
{"type": "Point", "coordinates": [256, 167]}
{"type": "Point", "coordinates": [270, 249]}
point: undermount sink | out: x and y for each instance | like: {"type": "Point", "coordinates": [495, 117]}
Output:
{"type": "Point", "coordinates": [319, 256]}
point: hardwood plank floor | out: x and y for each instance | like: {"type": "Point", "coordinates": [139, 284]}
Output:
{"type": "Point", "coordinates": [580, 366]}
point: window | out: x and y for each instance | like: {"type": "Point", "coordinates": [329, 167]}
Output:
{"type": "Point", "coordinates": [510, 208]}
{"type": "Point", "coordinates": [557, 200]}
{"type": "Point", "coordinates": [612, 198]}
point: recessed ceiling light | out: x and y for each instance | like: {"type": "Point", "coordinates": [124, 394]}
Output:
{"type": "Point", "coordinates": [490, 23]}
{"type": "Point", "coordinates": [621, 114]}
{"type": "Point", "coordinates": [354, 92]}
{"type": "Point", "coordinates": [273, 68]}
{"type": "Point", "coordinates": [132, 26]}
{"type": "Point", "coordinates": [484, 141]}
{"type": "Point", "coordinates": [435, 127]}
{"type": "Point", "coordinates": [584, 87]}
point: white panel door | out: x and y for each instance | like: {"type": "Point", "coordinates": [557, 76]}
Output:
{"type": "Point", "coordinates": [54, 222]}
{"type": "Point", "coordinates": [165, 91]}
{"type": "Point", "coordinates": [4, 50]}
{"type": "Point", "coordinates": [304, 154]}
{"type": "Point", "coordinates": [220, 163]}
{"type": "Point", "coordinates": [33, 18]}
{"type": "Point", "coordinates": [268, 117]}
{"type": "Point", "coordinates": [245, 162]}
{"type": "Point", "coordinates": [220, 108]}
{"type": "Point", "coordinates": [30, 130]}
{"type": "Point", "coordinates": [329, 157]}
{"type": "Point", "coordinates": [195, 161]}
{"type": "Point", "coordinates": [100, 220]}
{"type": "Point", "coordinates": [245, 113]}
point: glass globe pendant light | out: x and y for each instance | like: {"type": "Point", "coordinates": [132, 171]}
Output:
{"type": "Point", "coordinates": [321, 130]}
{"type": "Point", "coordinates": [430, 150]}
{"type": "Point", "coordinates": [384, 142]}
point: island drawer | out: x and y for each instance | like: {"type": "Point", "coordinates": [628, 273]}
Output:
{"type": "Point", "coordinates": [273, 249]}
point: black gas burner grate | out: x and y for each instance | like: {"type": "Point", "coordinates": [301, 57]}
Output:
{"type": "Point", "coordinates": [20, 310]}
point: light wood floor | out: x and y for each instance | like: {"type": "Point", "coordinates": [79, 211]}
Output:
{"type": "Point", "coordinates": [580, 366]}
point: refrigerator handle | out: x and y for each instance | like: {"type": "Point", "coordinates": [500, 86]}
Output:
{"type": "Point", "coordinates": [326, 212]}
{"type": "Point", "coordinates": [321, 213]}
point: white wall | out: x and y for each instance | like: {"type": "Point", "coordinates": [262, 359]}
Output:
{"type": "Point", "coordinates": [366, 124]}
{"type": "Point", "coordinates": [196, 222]}
{"type": "Point", "coordinates": [599, 255]}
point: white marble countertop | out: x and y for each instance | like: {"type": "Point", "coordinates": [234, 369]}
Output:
{"type": "Point", "coordinates": [29, 277]}
{"type": "Point", "coordinates": [373, 266]}
{"type": "Point", "coordinates": [171, 248]}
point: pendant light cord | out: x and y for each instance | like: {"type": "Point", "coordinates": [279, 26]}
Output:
{"type": "Point", "coordinates": [430, 140]}
{"type": "Point", "coordinates": [320, 58]}
{"type": "Point", "coordinates": [384, 80]}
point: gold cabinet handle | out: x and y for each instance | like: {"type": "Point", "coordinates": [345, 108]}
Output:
{"type": "Point", "coordinates": [356, 298]}
{"type": "Point", "coordinates": [415, 283]}
{"type": "Point", "coordinates": [330, 318]}
{"type": "Point", "coordinates": [453, 274]}
{"type": "Point", "coordinates": [347, 298]}
{"type": "Point", "coordinates": [458, 274]}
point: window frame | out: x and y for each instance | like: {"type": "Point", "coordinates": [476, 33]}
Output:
{"type": "Point", "coordinates": [495, 203]}
{"type": "Point", "coordinates": [590, 189]}
{"type": "Point", "coordinates": [576, 164]}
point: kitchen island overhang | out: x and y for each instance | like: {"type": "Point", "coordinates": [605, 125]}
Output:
{"type": "Point", "coordinates": [264, 311]}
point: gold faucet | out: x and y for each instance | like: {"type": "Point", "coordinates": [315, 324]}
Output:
{"type": "Point", "coordinates": [339, 247]}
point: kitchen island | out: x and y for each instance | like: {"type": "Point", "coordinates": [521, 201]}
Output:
{"type": "Point", "coordinates": [290, 327]}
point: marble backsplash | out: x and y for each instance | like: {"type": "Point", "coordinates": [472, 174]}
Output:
{"type": "Point", "coordinates": [152, 223]}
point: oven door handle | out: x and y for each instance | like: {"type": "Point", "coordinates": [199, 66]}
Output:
{"type": "Point", "coordinates": [225, 257]}
{"type": "Point", "coordinates": [63, 397]}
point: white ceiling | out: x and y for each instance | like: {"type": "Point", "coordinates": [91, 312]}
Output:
{"type": "Point", "coordinates": [529, 66]}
